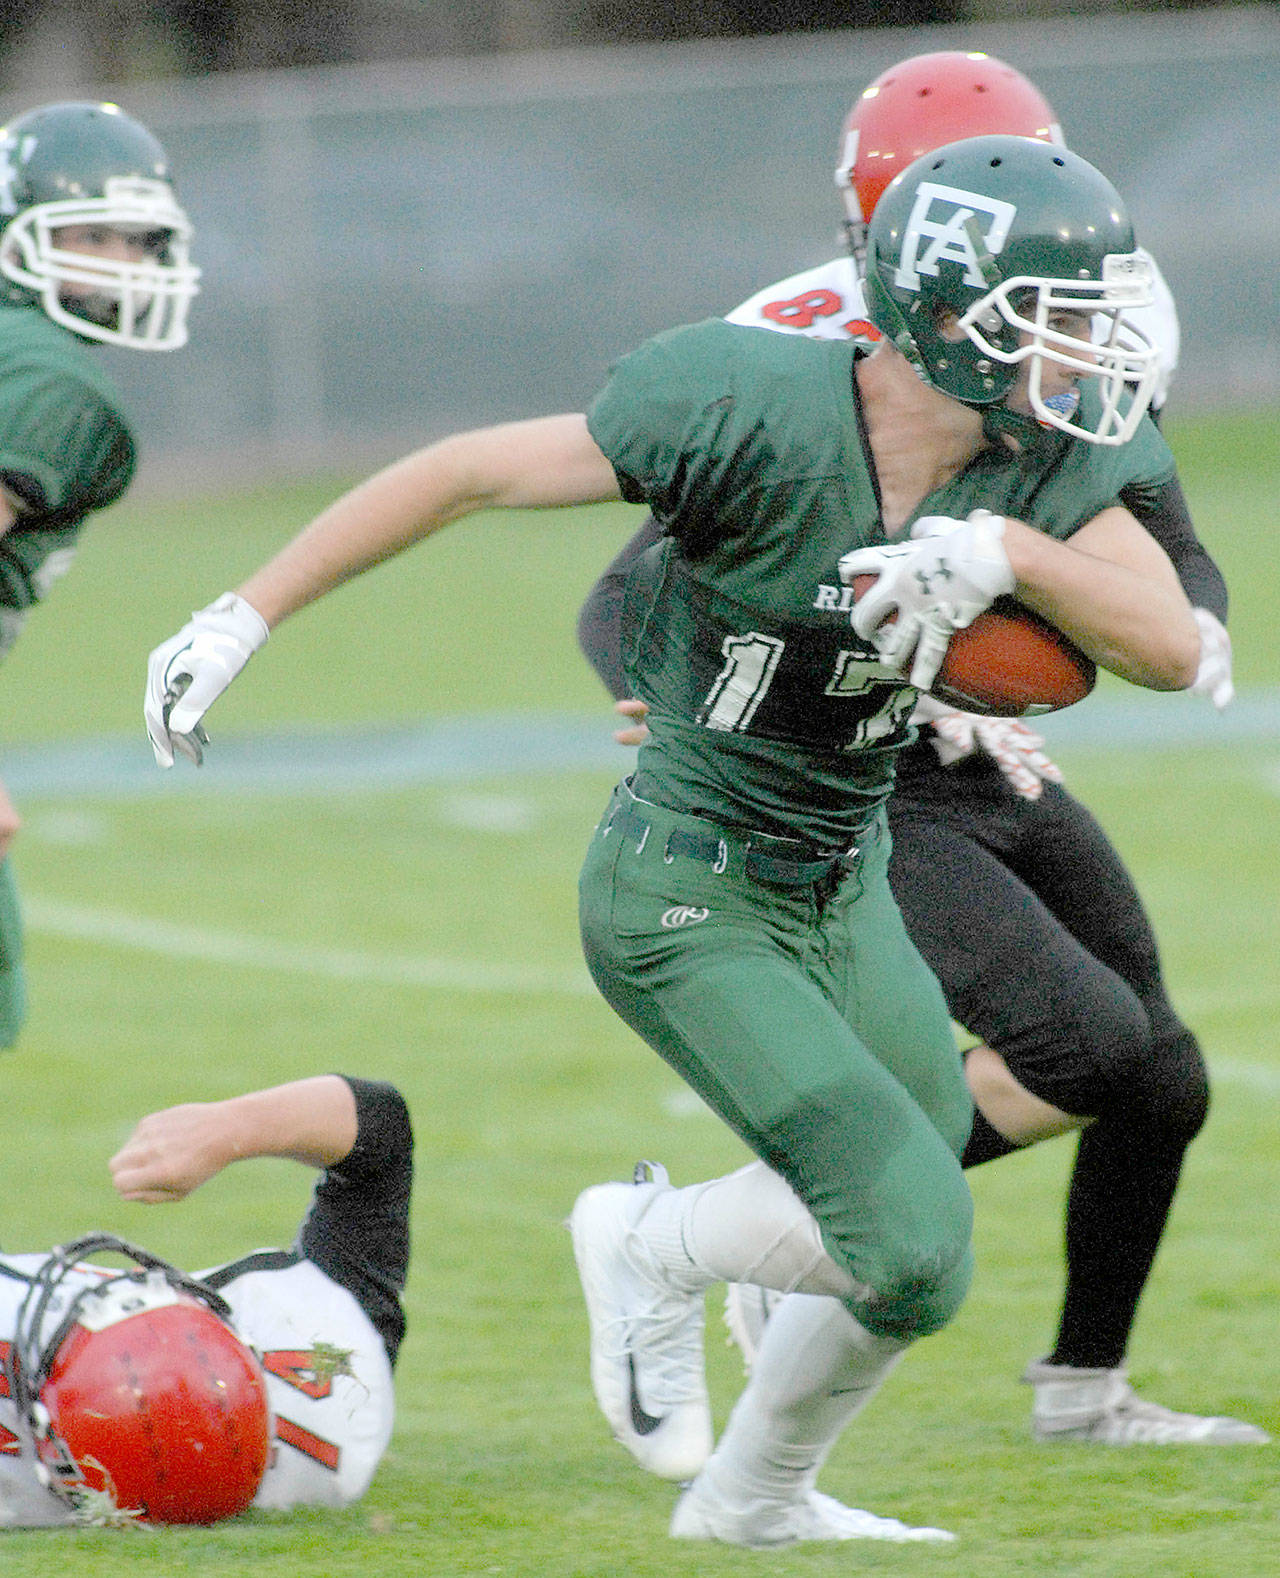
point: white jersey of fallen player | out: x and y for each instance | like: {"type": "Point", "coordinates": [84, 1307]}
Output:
{"type": "Point", "coordinates": [328, 1380]}
{"type": "Point", "coordinates": [827, 303]}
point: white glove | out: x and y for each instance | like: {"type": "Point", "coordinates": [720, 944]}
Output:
{"type": "Point", "coordinates": [936, 584]}
{"type": "Point", "coordinates": [1015, 749]}
{"type": "Point", "coordinates": [1213, 677]}
{"type": "Point", "coordinates": [187, 674]}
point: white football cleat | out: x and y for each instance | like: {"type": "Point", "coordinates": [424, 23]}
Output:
{"type": "Point", "coordinates": [747, 1309]}
{"type": "Point", "coordinates": [760, 1524]}
{"type": "Point", "coordinates": [647, 1366]}
{"type": "Point", "coordinates": [1099, 1405]}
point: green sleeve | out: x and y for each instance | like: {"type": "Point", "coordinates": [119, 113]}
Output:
{"type": "Point", "coordinates": [1141, 467]}
{"type": "Point", "coordinates": [672, 420]}
{"type": "Point", "coordinates": [1109, 476]}
{"type": "Point", "coordinates": [64, 448]}
{"type": "Point", "coordinates": [32, 559]}
{"type": "Point", "coordinates": [65, 451]}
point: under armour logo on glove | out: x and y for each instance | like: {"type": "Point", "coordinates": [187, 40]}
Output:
{"type": "Point", "coordinates": [928, 588]}
{"type": "Point", "coordinates": [927, 581]}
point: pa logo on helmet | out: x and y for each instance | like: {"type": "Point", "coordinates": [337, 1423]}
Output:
{"type": "Point", "coordinates": [943, 226]}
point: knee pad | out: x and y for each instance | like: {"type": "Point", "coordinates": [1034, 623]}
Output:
{"type": "Point", "coordinates": [1125, 1067]}
{"type": "Point", "coordinates": [1163, 1087]}
{"type": "Point", "coordinates": [894, 1210]}
{"type": "Point", "coordinates": [1070, 1045]}
{"type": "Point", "coordinates": [922, 1301]}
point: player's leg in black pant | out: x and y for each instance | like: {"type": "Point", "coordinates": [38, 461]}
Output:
{"type": "Point", "coordinates": [1037, 934]}
{"type": "Point", "coordinates": [1148, 1105]}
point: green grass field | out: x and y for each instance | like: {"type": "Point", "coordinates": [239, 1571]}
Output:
{"type": "Point", "coordinates": [191, 939]}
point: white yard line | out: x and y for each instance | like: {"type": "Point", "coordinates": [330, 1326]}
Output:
{"type": "Point", "coordinates": [112, 929]}
{"type": "Point", "coordinates": [116, 930]}
{"type": "Point", "coordinates": [1261, 1077]}
{"type": "Point", "coordinates": [1194, 1003]}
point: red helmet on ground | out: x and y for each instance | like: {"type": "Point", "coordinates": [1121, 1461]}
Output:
{"type": "Point", "coordinates": [140, 1399]}
{"type": "Point", "coordinates": [922, 103]}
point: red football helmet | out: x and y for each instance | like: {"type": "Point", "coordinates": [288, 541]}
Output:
{"type": "Point", "coordinates": [140, 1399]}
{"type": "Point", "coordinates": [922, 103]}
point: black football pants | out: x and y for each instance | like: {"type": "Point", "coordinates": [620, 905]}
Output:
{"type": "Point", "coordinates": [1026, 914]}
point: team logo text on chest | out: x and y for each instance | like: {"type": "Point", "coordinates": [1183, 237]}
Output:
{"type": "Point", "coordinates": [833, 599]}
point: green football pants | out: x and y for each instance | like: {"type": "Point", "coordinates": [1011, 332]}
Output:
{"type": "Point", "coordinates": [807, 1020]}
{"type": "Point", "coordinates": [13, 981]}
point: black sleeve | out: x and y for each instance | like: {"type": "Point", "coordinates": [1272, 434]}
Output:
{"type": "Point", "coordinates": [357, 1230]}
{"type": "Point", "coordinates": [1162, 509]}
{"type": "Point", "coordinates": [600, 617]}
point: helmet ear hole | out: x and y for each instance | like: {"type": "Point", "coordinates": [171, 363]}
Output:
{"type": "Point", "coordinates": [946, 324]}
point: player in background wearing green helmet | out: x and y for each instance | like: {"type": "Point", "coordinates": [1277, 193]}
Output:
{"type": "Point", "coordinates": [93, 247]}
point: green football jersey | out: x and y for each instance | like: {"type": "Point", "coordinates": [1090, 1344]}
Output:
{"type": "Point", "coordinates": [765, 710]}
{"type": "Point", "coordinates": [65, 451]}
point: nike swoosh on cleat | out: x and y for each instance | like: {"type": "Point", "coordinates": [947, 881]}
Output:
{"type": "Point", "coordinates": [642, 1423]}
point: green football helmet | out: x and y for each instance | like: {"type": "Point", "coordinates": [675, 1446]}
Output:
{"type": "Point", "coordinates": [986, 254]}
{"type": "Point", "coordinates": [83, 165]}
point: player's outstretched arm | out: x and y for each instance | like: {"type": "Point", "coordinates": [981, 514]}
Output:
{"type": "Point", "coordinates": [174, 1151]}
{"type": "Point", "coordinates": [537, 464]}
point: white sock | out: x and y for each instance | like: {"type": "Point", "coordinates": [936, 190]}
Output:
{"type": "Point", "coordinates": [816, 1369]}
{"type": "Point", "coordinates": [749, 1226]}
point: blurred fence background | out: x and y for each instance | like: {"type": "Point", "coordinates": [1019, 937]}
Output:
{"type": "Point", "coordinates": [394, 251]}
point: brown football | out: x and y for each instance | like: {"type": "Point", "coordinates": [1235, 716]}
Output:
{"type": "Point", "coordinates": [1009, 663]}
